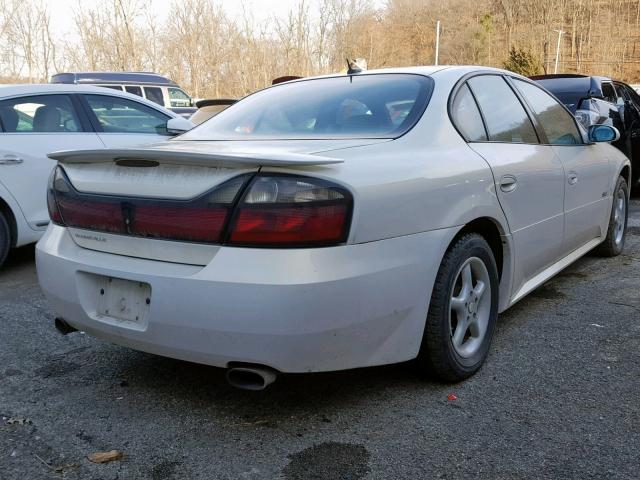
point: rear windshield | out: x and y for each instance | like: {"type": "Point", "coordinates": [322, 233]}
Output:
{"type": "Point", "coordinates": [366, 106]}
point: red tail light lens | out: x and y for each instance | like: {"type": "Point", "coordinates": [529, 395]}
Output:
{"type": "Point", "coordinates": [289, 211]}
{"type": "Point", "coordinates": [201, 219]}
{"type": "Point", "coordinates": [52, 206]}
{"type": "Point", "coordinates": [248, 210]}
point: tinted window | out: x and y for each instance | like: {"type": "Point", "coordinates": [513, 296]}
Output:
{"type": "Point", "coordinates": [121, 115]}
{"type": "Point", "coordinates": [467, 117]}
{"type": "Point", "coordinates": [39, 114]}
{"type": "Point", "coordinates": [112, 87]}
{"type": "Point", "coordinates": [608, 92]}
{"type": "Point", "coordinates": [134, 89]}
{"type": "Point", "coordinates": [365, 106]}
{"type": "Point", "coordinates": [506, 119]}
{"type": "Point", "coordinates": [557, 123]}
{"type": "Point", "coordinates": [154, 94]}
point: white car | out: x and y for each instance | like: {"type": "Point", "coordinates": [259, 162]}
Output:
{"type": "Point", "coordinates": [38, 119]}
{"type": "Point", "coordinates": [333, 223]}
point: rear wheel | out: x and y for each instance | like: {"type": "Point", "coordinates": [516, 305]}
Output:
{"type": "Point", "coordinates": [463, 311]}
{"type": "Point", "coordinates": [5, 238]}
{"type": "Point", "coordinates": [614, 242]}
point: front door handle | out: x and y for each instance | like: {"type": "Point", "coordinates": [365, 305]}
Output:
{"type": "Point", "coordinates": [10, 160]}
{"type": "Point", "coordinates": [572, 178]}
{"type": "Point", "coordinates": [508, 183]}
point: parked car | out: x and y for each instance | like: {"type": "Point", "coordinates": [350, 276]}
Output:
{"type": "Point", "coordinates": [151, 86]}
{"type": "Point", "coordinates": [210, 108]}
{"type": "Point", "coordinates": [307, 229]}
{"type": "Point", "coordinates": [38, 119]}
{"type": "Point", "coordinates": [600, 100]}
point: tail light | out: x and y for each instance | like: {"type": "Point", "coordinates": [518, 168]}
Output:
{"type": "Point", "coordinates": [256, 211]}
{"type": "Point", "coordinates": [197, 220]}
{"type": "Point", "coordinates": [282, 210]}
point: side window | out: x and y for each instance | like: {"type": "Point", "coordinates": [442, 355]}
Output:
{"type": "Point", "coordinates": [178, 98]}
{"type": "Point", "coordinates": [121, 115]}
{"type": "Point", "coordinates": [154, 94]}
{"type": "Point", "coordinates": [466, 116]}
{"type": "Point", "coordinates": [506, 118]}
{"type": "Point", "coordinates": [608, 92]}
{"type": "Point", "coordinates": [112, 87]}
{"type": "Point", "coordinates": [558, 124]}
{"type": "Point", "coordinates": [39, 114]}
{"type": "Point", "coordinates": [134, 89]}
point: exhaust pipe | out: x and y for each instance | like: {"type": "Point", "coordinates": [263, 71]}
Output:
{"type": "Point", "coordinates": [251, 378]}
{"type": "Point", "coordinates": [63, 327]}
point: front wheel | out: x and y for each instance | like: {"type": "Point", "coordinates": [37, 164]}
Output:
{"type": "Point", "coordinates": [463, 311]}
{"type": "Point", "coordinates": [614, 241]}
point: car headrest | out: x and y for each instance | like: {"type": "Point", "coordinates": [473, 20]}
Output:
{"type": "Point", "coordinates": [46, 119]}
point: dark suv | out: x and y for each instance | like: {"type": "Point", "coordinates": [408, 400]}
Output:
{"type": "Point", "coordinates": [595, 100]}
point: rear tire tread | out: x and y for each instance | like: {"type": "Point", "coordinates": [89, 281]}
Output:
{"type": "Point", "coordinates": [5, 238]}
{"type": "Point", "coordinates": [436, 354]}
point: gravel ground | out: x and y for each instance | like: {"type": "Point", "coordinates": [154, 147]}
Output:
{"type": "Point", "coordinates": [558, 398]}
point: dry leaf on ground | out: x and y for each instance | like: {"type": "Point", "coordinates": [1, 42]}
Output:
{"type": "Point", "coordinates": [104, 457]}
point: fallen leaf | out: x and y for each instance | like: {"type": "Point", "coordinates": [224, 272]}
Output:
{"type": "Point", "coordinates": [104, 457]}
{"type": "Point", "coordinates": [19, 421]}
{"type": "Point", "coordinates": [452, 397]}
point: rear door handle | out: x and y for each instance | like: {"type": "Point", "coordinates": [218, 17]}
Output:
{"type": "Point", "coordinates": [10, 160]}
{"type": "Point", "coordinates": [508, 183]}
{"type": "Point", "coordinates": [572, 178]}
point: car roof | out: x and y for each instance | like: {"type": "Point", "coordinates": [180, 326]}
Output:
{"type": "Point", "coordinates": [427, 70]}
{"type": "Point", "coordinates": [7, 91]}
{"type": "Point", "coordinates": [116, 78]}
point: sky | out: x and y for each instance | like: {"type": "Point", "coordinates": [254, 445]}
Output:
{"type": "Point", "coordinates": [62, 10]}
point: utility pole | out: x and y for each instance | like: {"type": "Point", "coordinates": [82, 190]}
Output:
{"type": "Point", "coordinates": [560, 33]}
{"type": "Point", "coordinates": [437, 41]}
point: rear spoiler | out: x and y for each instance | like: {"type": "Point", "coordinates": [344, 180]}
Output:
{"type": "Point", "coordinates": [145, 157]}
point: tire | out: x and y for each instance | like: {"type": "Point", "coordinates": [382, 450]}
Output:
{"type": "Point", "coordinates": [614, 242]}
{"type": "Point", "coordinates": [445, 353]}
{"type": "Point", "coordinates": [5, 238]}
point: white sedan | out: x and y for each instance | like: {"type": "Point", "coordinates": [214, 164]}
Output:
{"type": "Point", "coordinates": [333, 223]}
{"type": "Point", "coordinates": [38, 119]}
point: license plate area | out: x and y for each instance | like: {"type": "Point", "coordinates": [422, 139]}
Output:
{"type": "Point", "coordinates": [124, 300]}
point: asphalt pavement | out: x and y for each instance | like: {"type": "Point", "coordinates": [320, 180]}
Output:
{"type": "Point", "coordinates": [559, 397]}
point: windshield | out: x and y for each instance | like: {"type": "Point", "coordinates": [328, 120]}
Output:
{"type": "Point", "coordinates": [366, 106]}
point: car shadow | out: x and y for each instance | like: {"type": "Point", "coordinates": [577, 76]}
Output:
{"type": "Point", "coordinates": [202, 387]}
{"type": "Point", "coordinates": [19, 260]}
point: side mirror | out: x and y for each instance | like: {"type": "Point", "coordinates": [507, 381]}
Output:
{"type": "Point", "coordinates": [178, 125]}
{"type": "Point", "coordinates": [603, 133]}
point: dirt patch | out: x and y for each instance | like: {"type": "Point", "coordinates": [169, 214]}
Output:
{"type": "Point", "coordinates": [330, 461]}
{"type": "Point", "coordinates": [56, 369]}
{"type": "Point", "coordinates": [547, 292]}
{"type": "Point", "coordinates": [578, 275]}
{"type": "Point", "coordinates": [165, 471]}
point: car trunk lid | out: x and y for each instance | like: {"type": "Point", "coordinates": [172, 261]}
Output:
{"type": "Point", "coordinates": [163, 184]}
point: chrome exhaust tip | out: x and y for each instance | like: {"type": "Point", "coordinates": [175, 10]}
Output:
{"type": "Point", "coordinates": [251, 378]}
{"type": "Point", "coordinates": [63, 327]}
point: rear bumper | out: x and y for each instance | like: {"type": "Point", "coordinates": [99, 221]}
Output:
{"type": "Point", "coordinates": [293, 310]}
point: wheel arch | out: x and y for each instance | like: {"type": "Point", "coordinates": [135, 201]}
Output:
{"type": "Point", "coordinates": [625, 172]}
{"type": "Point", "coordinates": [5, 209]}
{"type": "Point", "coordinates": [499, 241]}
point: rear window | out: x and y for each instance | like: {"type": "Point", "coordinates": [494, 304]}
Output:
{"type": "Point", "coordinates": [366, 106]}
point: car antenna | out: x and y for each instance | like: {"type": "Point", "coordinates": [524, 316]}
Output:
{"type": "Point", "coordinates": [356, 65]}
